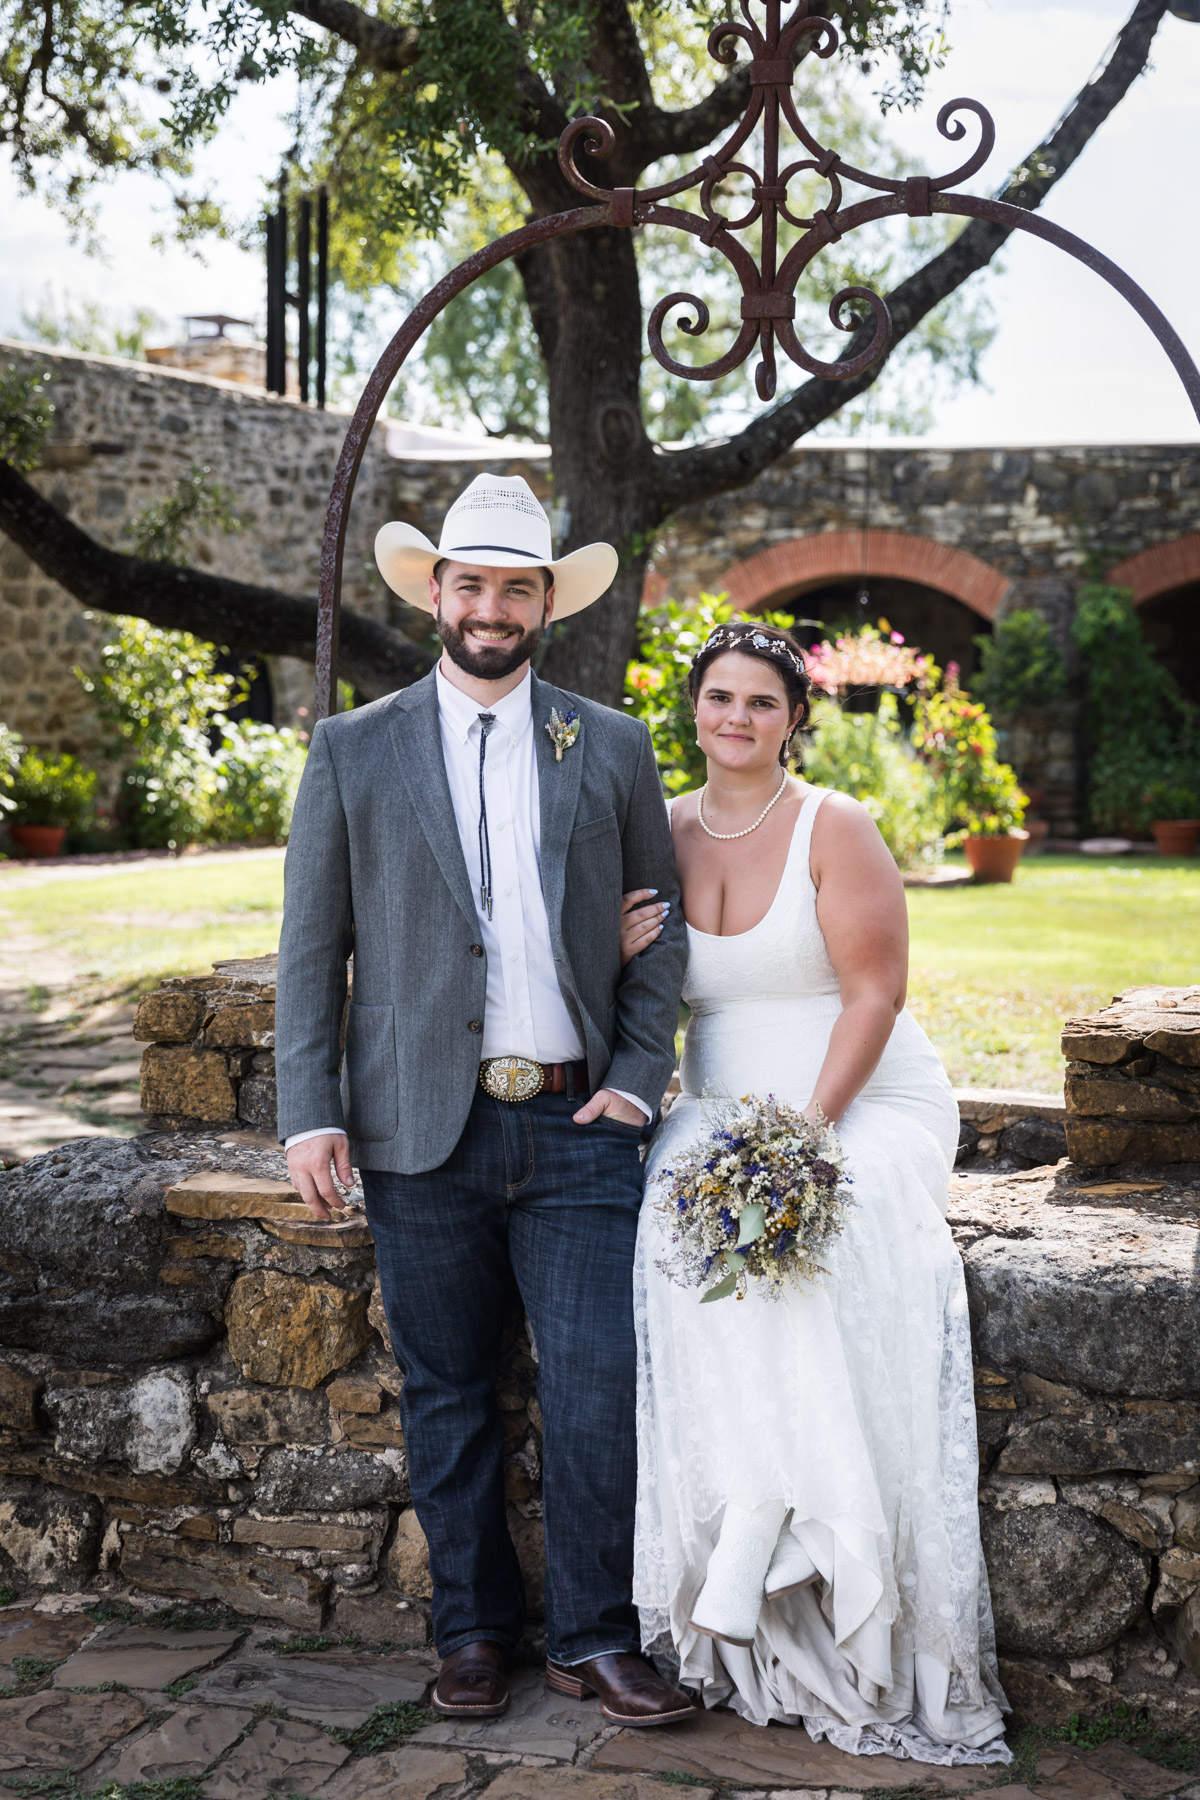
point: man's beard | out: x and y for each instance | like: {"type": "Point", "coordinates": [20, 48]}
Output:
{"type": "Point", "coordinates": [488, 662]}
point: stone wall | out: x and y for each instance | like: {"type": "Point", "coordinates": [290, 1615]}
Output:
{"type": "Point", "coordinates": [1133, 1079]}
{"type": "Point", "coordinates": [123, 434]}
{"type": "Point", "coordinates": [197, 1397]}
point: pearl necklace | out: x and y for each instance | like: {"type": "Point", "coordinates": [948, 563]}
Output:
{"type": "Point", "coordinates": [727, 837]}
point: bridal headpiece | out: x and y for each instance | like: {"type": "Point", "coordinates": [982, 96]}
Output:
{"type": "Point", "coordinates": [728, 637]}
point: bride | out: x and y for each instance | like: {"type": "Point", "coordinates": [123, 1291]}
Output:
{"type": "Point", "coordinates": [807, 1532]}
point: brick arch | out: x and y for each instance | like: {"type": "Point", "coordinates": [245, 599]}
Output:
{"type": "Point", "coordinates": [808, 562]}
{"type": "Point", "coordinates": [1153, 572]}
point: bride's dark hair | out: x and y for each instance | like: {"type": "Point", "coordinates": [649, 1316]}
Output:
{"type": "Point", "coordinates": [778, 649]}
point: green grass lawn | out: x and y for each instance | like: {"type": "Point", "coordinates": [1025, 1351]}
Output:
{"type": "Point", "coordinates": [145, 921]}
{"type": "Point", "coordinates": [995, 970]}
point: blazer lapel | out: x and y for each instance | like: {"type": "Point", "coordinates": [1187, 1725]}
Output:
{"type": "Point", "coordinates": [558, 797]}
{"type": "Point", "coordinates": [417, 741]}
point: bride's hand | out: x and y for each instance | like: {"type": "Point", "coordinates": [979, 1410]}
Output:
{"type": "Point", "coordinates": [640, 923]}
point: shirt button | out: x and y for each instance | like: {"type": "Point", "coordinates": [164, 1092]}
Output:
{"type": "Point", "coordinates": [507, 893]}
{"type": "Point", "coordinates": [476, 949]}
{"type": "Point", "coordinates": [515, 957]}
{"type": "Point", "coordinates": [474, 1024]}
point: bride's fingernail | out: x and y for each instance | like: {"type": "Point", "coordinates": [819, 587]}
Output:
{"type": "Point", "coordinates": [653, 891]}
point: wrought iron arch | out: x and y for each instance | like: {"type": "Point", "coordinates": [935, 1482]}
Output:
{"type": "Point", "coordinates": [768, 305]}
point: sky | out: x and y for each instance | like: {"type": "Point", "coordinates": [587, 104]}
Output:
{"type": "Point", "coordinates": [1071, 362]}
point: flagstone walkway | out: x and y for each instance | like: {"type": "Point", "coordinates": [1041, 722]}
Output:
{"type": "Point", "coordinates": [104, 1693]}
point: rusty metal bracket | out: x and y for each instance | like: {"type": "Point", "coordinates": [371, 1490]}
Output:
{"type": "Point", "coordinates": [768, 305]}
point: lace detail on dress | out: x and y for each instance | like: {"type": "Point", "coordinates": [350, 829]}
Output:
{"type": "Point", "coordinates": [853, 1403]}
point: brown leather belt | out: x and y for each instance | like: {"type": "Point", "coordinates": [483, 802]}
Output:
{"type": "Point", "coordinates": [520, 1078]}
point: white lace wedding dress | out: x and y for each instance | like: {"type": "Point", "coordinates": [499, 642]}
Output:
{"type": "Point", "coordinates": [851, 1403]}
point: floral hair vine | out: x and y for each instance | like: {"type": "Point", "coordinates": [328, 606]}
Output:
{"type": "Point", "coordinates": [723, 635]}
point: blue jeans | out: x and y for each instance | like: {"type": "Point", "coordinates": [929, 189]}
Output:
{"type": "Point", "coordinates": [525, 1190]}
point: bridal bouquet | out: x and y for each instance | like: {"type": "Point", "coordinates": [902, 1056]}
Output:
{"type": "Point", "coordinates": [758, 1199]}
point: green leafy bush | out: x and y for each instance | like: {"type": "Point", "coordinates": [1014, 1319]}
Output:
{"type": "Point", "coordinates": [50, 790]}
{"type": "Point", "coordinates": [12, 749]}
{"type": "Point", "coordinates": [1141, 731]}
{"type": "Point", "coordinates": [258, 770]}
{"type": "Point", "coordinates": [956, 740]}
{"type": "Point", "coordinates": [163, 531]}
{"type": "Point", "coordinates": [866, 755]}
{"type": "Point", "coordinates": [1020, 667]}
{"type": "Point", "coordinates": [163, 700]}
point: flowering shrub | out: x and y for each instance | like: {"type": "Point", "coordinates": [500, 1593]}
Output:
{"type": "Point", "coordinates": [875, 656]}
{"type": "Point", "coordinates": [866, 755]}
{"type": "Point", "coordinates": [956, 740]}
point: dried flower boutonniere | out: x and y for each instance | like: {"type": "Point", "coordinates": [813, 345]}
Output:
{"type": "Point", "coordinates": [563, 731]}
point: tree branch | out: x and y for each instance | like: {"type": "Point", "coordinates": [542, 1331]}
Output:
{"type": "Point", "coordinates": [389, 48]}
{"type": "Point", "coordinates": [254, 620]}
{"type": "Point", "coordinates": [687, 475]}
{"type": "Point", "coordinates": [656, 132]}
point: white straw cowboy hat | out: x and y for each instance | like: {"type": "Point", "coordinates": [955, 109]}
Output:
{"type": "Point", "coordinates": [498, 522]}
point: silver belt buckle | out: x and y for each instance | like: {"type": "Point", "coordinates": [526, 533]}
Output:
{"type": "Point", "coordinates": [511, 1077]}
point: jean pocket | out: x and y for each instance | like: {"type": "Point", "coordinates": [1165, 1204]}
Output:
{"type": "Point", "coordinates": [372, 1083]}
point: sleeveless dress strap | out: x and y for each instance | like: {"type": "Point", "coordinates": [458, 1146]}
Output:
{"type": "Point", "coordinates": [802, 838]}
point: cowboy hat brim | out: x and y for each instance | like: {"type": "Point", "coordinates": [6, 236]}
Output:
{"type": "Point", "coordinates": [406, 560]}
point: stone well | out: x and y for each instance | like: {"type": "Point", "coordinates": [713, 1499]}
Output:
{"type": "Point", "coordinates": [197, 1397]}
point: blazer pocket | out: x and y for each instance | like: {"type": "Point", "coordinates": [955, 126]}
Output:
{"type": "Point", "coordinates": [594, 828]}
{"type": "Point", "coordinates": [373, 1109]}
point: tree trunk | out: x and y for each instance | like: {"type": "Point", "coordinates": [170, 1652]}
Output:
{"type": "Point", "coordinates": [602, 458]}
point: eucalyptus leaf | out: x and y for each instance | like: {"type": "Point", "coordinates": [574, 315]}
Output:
{"type": "Point", "coordinates": [722, 1290]}
{"type": "Point", "coordinates": [752, 1225]}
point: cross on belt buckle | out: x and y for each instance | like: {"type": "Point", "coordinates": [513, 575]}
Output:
{"type": "Point", "coordinates": [511, 1077]}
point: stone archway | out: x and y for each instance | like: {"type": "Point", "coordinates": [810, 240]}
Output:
{"type": "Point", "coordinates": [938, 596]}
{"type": "Point", "coordinates": [834, 557]}
{"type": "Point", "coordinates": [1166, 591]}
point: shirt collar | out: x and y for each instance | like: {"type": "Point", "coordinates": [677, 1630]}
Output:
{"type": "Point", "coordinates": [461, 714]}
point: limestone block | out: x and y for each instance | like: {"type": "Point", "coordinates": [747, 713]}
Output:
{"type": "Point", "coordinates": [355, 1393]}
{"type": "Point", "coordinates": [185, 1083]}
{"type": "Point", "coordinates": [1063, 1584]}
{"type": "Point", "coordinates": [381, 1431]}
{"type": "Point", "coordinates": [351, 1232]}
{"type": "Point", "coordinates": [183, 1745]}
{"type": "Point", "coordinates": [1034, 1141]}
{"type": "Point", "coordinates": [280, 1756]}
{"type": "Point", "coordinates": [293, 1333]}
{"type": "Point", "coordinates": [169, 1017]}
{"type": "Point", "coordinates": [245, 1026]}
{"type": "Point", "coordinates": [270, 1415]}
{"type": "Point", "coordinates": [149, 1423]}
{"type": "Point", "coordinates": [1141, 1435]}
{"type": "Point", "coordinates": [1178, 1580]}
{"type": "Point", "coordinates": [47, 1537]}
{"type": "Point", "coordinates": [142, 1656]}
{"type": "Point", "coordinates": [1125, 1100]}
{"type": "Point", "coordinates": [225, 1194]}
{"type": "Point", "coordinates": [304, 1534]}
{"type": "Point", "coordinates": [221, 1245]}
{"type": "Point", "coordinates": [1068, 1299]}
{"type": "Point", "coordinates": [1186, 1514]}
{"type": "Point", "coordinates": [19, 1392]}
{"type": "Point", "coordinates": [298, 1480]}
{"type": "Point", "coordinates": [1186, 1633]}
{"type": "Point", "coordinates": [52, 1729]}
{"type": "Point", "coordinates": [1097, 1143]}
{"type": "Point", "coordinates": [258, 1102]}
{"type": "Point", "coordinates": [90, 1323]}
{"type": "Point", "coordinates": [1182, 1046]}
{"type": "Point", "coordinates": [248, 1581]}
{"type": "Point", "coordinates": [408, 1558]}
{"type": "Point", "coordinates": [378, 1318]}
{"type": "Point", "coordinates": [105, 1481]}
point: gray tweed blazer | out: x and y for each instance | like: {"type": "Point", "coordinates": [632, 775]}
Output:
{"type": "Point", "coordinates": [374, 868]}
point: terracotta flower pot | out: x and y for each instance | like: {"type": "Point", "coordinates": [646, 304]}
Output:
{"type": "Point", "coordinates": [1176, 837]}
{"type": "Point", "coordinates": [39, 840]}
{"type": "Point", "coordinates": [995, 858]}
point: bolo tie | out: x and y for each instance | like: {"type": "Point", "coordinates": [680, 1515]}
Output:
{"type": "Point", "coordinates": [486, 721]}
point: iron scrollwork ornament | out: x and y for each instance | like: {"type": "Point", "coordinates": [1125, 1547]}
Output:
{"type": "Point", "coordinates": [768, 303]}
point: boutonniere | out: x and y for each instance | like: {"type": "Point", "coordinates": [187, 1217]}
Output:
{"type": "Point", "coordinates": [563, 729]}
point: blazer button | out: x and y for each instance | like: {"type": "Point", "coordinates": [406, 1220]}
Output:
{"type": "Point", "coordinates": [474, 1024]}
{"type": "Point", "coordinates": [476, 949]}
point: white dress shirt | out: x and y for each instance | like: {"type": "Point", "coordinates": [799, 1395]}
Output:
{"type": "Point", "coordinates": [524, 1012]}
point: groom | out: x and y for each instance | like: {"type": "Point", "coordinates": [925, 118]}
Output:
{"type": "Point", "coordinates": [468, 840]}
